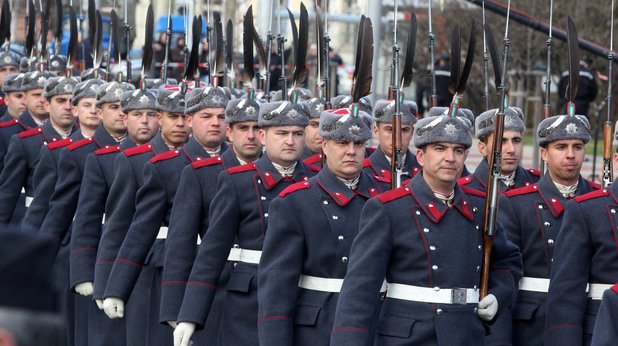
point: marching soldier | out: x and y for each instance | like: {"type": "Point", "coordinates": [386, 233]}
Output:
{"type": "Point", "coordinates": [243, 197]}
{"type": "Point", "coordinates": [306, 252]}
{"type": "Point", "coordinates": [13, 98]}
{"type": "Point", "coordinates": [190, 213]}
{"type": "Point", "coordinates": [425, 239]}
{"type": "Point", "coordinates": [379, 163]}
{"type": "Point", "coordinates": [205, 109]}
{"type": "Point", "coordinates": [513, 175]}
{"type": "Point", "coordinates": [9, 64]}
{"type": "Point", "coordinates": [532, 216]}
{"type": "Point", "coordinates": [313, 142]}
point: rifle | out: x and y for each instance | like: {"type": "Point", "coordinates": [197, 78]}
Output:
{"type": "Point", "coordinates": [493, 183]}
{"type": "Point", "coordinates": [127, 37]}
{"type": "Point", "coordinates": [325, 54]}
{"type": "Point", "coordinates": [433, 99]}
{"type": "Point", "coordinates": [397, 159]}
{"type": "Point", "coordinates": [281, 52]}
{"type": "Point", "coordinates": [168, 36]}
{"type": "Point", "coordinates": [547, 105]}
{"type": "Point", "coordinates": [485, 60]}
{"type": "Point", "coordinates": [607, 127]}
{"type": "Point", "coordinates": [269, 41]}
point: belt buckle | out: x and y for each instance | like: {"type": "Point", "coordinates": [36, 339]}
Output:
{"type": "Point", "coordinates": [459, 296]}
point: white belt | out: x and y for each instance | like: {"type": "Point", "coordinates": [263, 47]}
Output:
{"type": "Point", "coordinates": [595, 291]}
{"type": "Point", "coordinates": [316, 283]}
{"type": "Point", "coordinates": [234, 255]}
{"type": "Point", "coordinates": [29, 201]}
{"type": "Point", "coordinates": [162, 232]}
{"type": "Point", "coordinates": [460, 296]}
{"type": "Point", "coordinates": [250, 256]}
{"type": "Point", "coordinates": [534, 284]}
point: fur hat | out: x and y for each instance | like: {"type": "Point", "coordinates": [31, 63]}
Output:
{"type": "Point", "coordinates": [35, 80]}
{"type": "Point", "coordinates": [242, 109]}
{"type": "Point", "coordinates": [443, 128]}
{"type": "Point", "coordinates": [112, 92]}
{"type": "Point", "coordinates": [86, 89]}
{"type": "Point", "coordinates": [207, 97]}
{"type": "Point", "coordinates": [59, 85]}
{"type": "Point", "coordinates": [138, 99]}
{"type": "Point", "coordinates": [484, 125]}
{"type": "Point", "coordinates": [344, 125]}
{"type": "Point", "coordinates": [12, 83]}
{"type": "Point", "coordinates": [385, 109]}
{"type": "Point", "coordinates": [282, 113]}
{"type": "Point", "coordinates": [561, 127]}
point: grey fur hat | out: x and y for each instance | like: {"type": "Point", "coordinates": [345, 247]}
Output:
{"type": "Point", "coordinates": [86, 89]}
{"type": "Point", "coordinates": [345, 101]}
{"type": "Point", "coordinates": [385, 109]}
{"type": "Point", "coordinates": [112, 92]}
{"type": "Point", "coordinates": [343, 125]}
{"type": "Point", "coordinates": [242, 109]}
{"type": "Point", "coordinates": [282, 113]}
{"type": "Point", "coordinates": [12, 83]}
{"type": "Point", "coordinates": [35, 80]}
{"type": "Point", "coordinates": [57, 63]}
{"type": "Point", "coordinates": [9, 59]}
{"type": "Point", "coordinates": [484, 125]}
{"type": "Point", "coordinates": [206, 97]}
{"type": "Point", "coordinates": [443, 128]}
{"type": "Point", "coordinates": [313, 107]}
{"type": "Point", "coordinates": [58, 86]}
{"type": "Point", "coordinates": [561, 127]}
{"type": "Point", "coordinates": [303, 94]}
{"type": "Point", "coordinates": [170, 99]}
{"type": "Point", "coordinates": [89, 74]}
{"type": "Point", "coordinates": [138, 99]}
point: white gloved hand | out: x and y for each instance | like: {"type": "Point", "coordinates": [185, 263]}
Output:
{"type": "Point", "coordinates": [99, 303]}
{"type": "Point", "coordinates": [114, 307]}
{"type": "Point", "coordinates": [182, 333]}
{"type": "Point", "coordinates": [488, 307]}
{"type": "Point", "coordinates": [172, 324]}
{"type": "Point", "coordinates": [84, 288]}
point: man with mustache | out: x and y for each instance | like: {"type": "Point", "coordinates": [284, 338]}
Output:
{"type": "Point", "coordinates": [532, 216]}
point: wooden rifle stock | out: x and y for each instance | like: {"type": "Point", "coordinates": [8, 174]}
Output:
{"type": "Point", "coordinates": [396, 152]}
{"type": "Point", "coordinates": [607, 154]}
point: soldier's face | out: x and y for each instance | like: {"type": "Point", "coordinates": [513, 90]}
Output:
{"type": "Point", "coordinates": [142, 125]}
{"type": "Point", "coordinates": [87, 113]}
{"type": "Point", "coordinates": [512, 150]}
{"type": "Point", "coordinates": [174, 128]}
{"type": "Point", "coordinates": [283, 143]}
{"type": "Point", "coordinates": [313, 141]}
{"type": "Point", "coordinates": [384, 134]}
{"type": "Point", "coordinates": [442, 164]}
{"type": "Point", "coordinates": [244, 138]}
{"type": "Point", "coordinates": [60, 110]}
{"type": "Point", "coordinates": [564, 160]}
{"type": "Point", "coordinates": [15, 103]}
{"type": "Point", "coordinates": [5, 71]}
{"type": "Point", "coordinates": [36, 102]}
{"type": "Point", "coordinates": [112, 117]}
{"type": "Point", "coordinates": [208, 126]}
{"type": "Point", "coordinates": [344, 159]}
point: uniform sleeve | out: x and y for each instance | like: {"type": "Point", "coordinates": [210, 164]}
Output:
{"type": "Point", "coordinates": [367, 266]}
{"type": "Point", "coordinates": [150, 208]}
{"type": "Point", "coordinates": [13, 178]}
{"type": "Point", "coordinates": [279, 271]}
{"type": "Point", "coordinates": [44, 180]}
{"type": "Point", "coordinates": [87, 225]}
{"type": "Point", "coordinates": [505, 270]}
{"type": "Point", "coordinates": [213, 252]}
{"type": "Point", "coordinates": [180, 245]}
{"type": "Point", "coordinates": [566, 301]}
{"type": "Point", "coordinates": [510, 221]}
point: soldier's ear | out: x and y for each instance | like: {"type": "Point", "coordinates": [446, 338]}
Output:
{"type": "Point", "coordinates": [615, 160]}
{"type": "Point", "coordinates": [420, 157]}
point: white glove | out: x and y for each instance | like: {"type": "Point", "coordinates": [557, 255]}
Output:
{"type": "Point", "coordinates": [182, 333]}
{"type": "Point", "coordinates": [99, 303]}
{"type": "Point", "coordinates": [488, 307]}
{"type": "Point", "coordinates": [84, 288]}
{"type": "Point", "coordinates": [172, 324]}
{"type": "Point", "coordinates": [114, 307]}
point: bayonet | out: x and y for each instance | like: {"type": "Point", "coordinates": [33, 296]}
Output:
{"type": "Point", "coordinates": [485, 62]}
{"type": "Point", "coordinates": [326, 58]}
{"type": "Point", "coordinates": [269, 41]}
{"type": "Point", "coordinates": [397, 154]}
{"type": "Point", "coordinates": [607, 127]}
{"type": "Point", "coordinates": [168, 37]}
{"type": "Point", "coordinates": [281, 52]}
{"type": "Point", "coordinates": [547, 105]}
{"type": "Point", "coordinates": [127, 36]}
{"type": "Point", "coordinates": [433, 99]}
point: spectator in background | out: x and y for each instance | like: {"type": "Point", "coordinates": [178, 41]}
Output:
{"type": "Point", "coordinates": [586, 91]}
{"type": "Point", "coordinates": [442, 71]}
{"type": "Point", "coordinates": [158, 49]}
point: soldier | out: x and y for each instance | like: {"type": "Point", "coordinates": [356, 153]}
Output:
{"type": "Point", "coordinates": [585, 264]}
{"type": "Point", "coordinates": [513, 175]}
{"type": "Point", "coordinates": [205, 109]}
{"type": "Point", "coordinates": [425, 239]}
{"type": "Point", "coordinates": [14, 98]}
{"type": "Point", "coordinates": [190, 213]}
{"type": "Point", "coordinates": [9, 64]}
{"type": "Point", "coordinates": [313, 141]}
{"type": "Point", "coordinates": [532, 216]}
{"type": "Point", "coordinates": [379, 163]}
{"type": "Point", "coordinates": [98, 177]}
{"type": "Point", "coordinates": [23, 153]}
{"type": "Point", "coordinates": [305, 253]}
{"type": "Point", "coordinates": [243, 215]}
{"type": "Point", "coordinates": [120, 205]}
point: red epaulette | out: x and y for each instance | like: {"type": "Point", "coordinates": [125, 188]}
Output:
{"type": "Point", "coordinates": [80, 143]}
{"type": "Point", "coordinates": [382, 179]}
{"type": "Point", "coordinates": [615, 288]}
{"type": "Point", "coordinates": [595, 186]}
{"type": "Point", "coordinates": [60, 144]}
{"type": "Point", "coordinates": [371, 150]}
{"type": "Point", "coordinates": [313, 159]}
{"type": "Point", "coordinates": [522, 190]}
{"type": "Point", "coordinates": [9, 123]}
{"type": "Point", "coordinates": [535, 172]}
{"type": "Point", "coordinates": [464, 180]}
{"type": "Point", "coordinates": [2, 103]}
{"type": "Point", "coordinates": [313, 168]}
{"type": "Point", "coordinates": [394, 194]}
{"type": "Point", "coordinates": [165, 156]}
{"type": "Point", "coordinates": [243, 168]}
{"type": "Point", "coordinates": [366, 163]}
{"type": "Point", "coordinates": [295, 187]}
{"type": "Point", "coordinates": [144, 148]}
{"type": "Point", "coordinates": [200, 162]}
{"type": "Point", "coordinates": [592, 195]}
{"type": "Point", "coordinates": [107, 150]}
{"type": "Point", "coordinates": [473, 192]}
{"type": "Point", "coordinates": [29, 133]}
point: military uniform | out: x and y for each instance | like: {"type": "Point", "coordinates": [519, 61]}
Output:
{"type": "Point", "coordinates": [606, 326]}
{"type": "Point", "coordinates": [585, 264]}
{"type": "Point", "coordinates": [12, 127]}
{"type": "Point", "coordinates": [377, 164]}
{"type": "Point", "coordinates": [478, 179]}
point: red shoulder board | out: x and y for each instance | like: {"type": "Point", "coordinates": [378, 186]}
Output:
{"type": "Point", "coordinates": [535, 172]}
{"type": "Point", "coordinates": [2, 103]}
{"type": "Point", "coordinates": [144, 148]}
{"type": "Point", "coordinates": [464, 180]}
{"type": "Point", "coordinates": [9, 123]}
{"type": "Point", "coordinates": [615, 288]}
{"type": "Point", "coordinates": [366, 163]}
{"type": "Point", "coordinates": [29, 133]}
{"type": "Point", "coordinates": [522, 190]}
{"type": "Point", "coordinates": [243, 168]}
{"type": "Point", "coordinates": [314, 168]}
{"type": "Point", "coordinates": [394, 194]}
{"type": "Point", "coordinates": [371, 150]}
{"type": "Point", "coordinates": [382, 179]}
{"type": "Point", "coordinates": [165, 156]}
{"type": "Point", "coordinates": [592, 195]}
{"type": "Point", "coordinates": [295, 187]}
{"type": "Point", "coordinates": [60, 144]}
{"type": "Point", "coordinates": [473, 192]}
{"type": "Point", "coordinates": [107, 150]}
{"type": "Point", "coordinates": [595, 186]}
{"type": "Point", "coordinates": [313, 159]}
{"type": "Point", "coordinates": [80, 143]}
{"type": "Point", "coordinates": [211, 161]}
